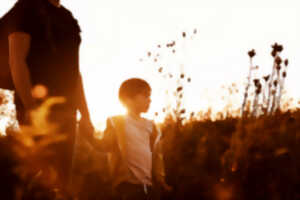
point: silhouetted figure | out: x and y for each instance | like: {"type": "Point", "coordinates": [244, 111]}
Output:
{"type": "Point", "coordinates": [43, 43]}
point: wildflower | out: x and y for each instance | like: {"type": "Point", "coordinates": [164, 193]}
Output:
{"type": "Point", "coordinates": [251, 53]}
{"type": "Point", "coordinates": [286, 62]}
{"type": "Point", "coordinates": [181, 75]}
{"type": "Point", "coordinates": [278, 60]}
{"type": "Point", "coordinates": [266, 78]}
{"type": "Point", "coordinates": [160, 70]}
{"type": "Point", "coordinates": [183, 34]}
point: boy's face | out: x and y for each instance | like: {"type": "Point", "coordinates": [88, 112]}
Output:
{"type": "Point", "coordinates": [140, 103]}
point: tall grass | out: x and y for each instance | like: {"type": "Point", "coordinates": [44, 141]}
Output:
{"type": "Point", "coordinates": [256, 156]}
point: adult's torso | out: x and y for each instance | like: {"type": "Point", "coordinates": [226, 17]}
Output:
{"type": "Point", "coordinates": [54, 51]}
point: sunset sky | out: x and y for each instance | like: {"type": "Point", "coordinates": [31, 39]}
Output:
{"type": "Point", "coordinates": [118, 34]}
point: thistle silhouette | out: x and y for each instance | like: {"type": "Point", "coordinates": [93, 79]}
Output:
{"type": "Point", "coordinates": [273, 85]}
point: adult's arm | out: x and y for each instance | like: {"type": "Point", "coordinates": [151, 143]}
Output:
{"type": "Point", "coordinates": [19, 47]}
{"type": "Point", "coordinates": [108, 143]}
{"type": "Point", "coordinates": [85, 125]}
{"type": "Point", "coordinates": [83, 107]}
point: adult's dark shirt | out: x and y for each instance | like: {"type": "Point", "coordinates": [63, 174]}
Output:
{"type": "Point", "coordinates": [53, 59]}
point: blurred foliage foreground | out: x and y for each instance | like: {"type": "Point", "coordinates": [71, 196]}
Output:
{"type": "Point", "coordinates": [232, 158]}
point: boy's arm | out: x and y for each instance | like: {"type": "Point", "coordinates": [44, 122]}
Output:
{"type": "Point", "coordinates": [158, 160]}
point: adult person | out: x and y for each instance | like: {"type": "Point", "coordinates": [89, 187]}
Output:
{"type": "Point", "coordinates": [43, 41]}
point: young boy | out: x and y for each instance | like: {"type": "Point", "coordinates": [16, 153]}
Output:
{"type": "Point", "coordinates": [134, 144]}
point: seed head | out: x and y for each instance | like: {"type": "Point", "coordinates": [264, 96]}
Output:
{"type": "Point", "coordinates": [179, 89]}
{"type": "Point", "coordinates": [266, 78]}
{"type": "Point", "coordinates": [189, 80]}
{"type": "Point", "coordinates": [277, 48]}
{"type": "Point", "coordinates": [256, 82]}
{"type": "Point", "coordinates": [275, 83]}
{"type": "Point", "coordinates": [258, 91]}
{"type": "Point", "coordinates": [251, 53]}
{"type": "Point", "coordinates": [278, 67]}
{"type": "Point", "coordinates": [278, 60]}
{"type": "Point", "coordinates": [160, 70]}
{"type": "Point", "coordinates": [286, 62]}
{"type": "Point", "coordinates": [182, 76]}
{"type": "Point", "coordinates": [259, 86]}
{"type": "Point", "coordinates": [283, 74]}
{"type": "Point", "coordinates": [183, 34]}
{"type": "Point", "coordinates": [274, 53]}
{"type": "Point", "coordinates": [172, 44]}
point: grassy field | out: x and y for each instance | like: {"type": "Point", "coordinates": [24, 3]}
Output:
{"type": "Point", "coordinates": [233, 158]}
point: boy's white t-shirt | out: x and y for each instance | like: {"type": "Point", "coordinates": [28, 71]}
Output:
{"type": "Point", "coordinates": [139, 155]}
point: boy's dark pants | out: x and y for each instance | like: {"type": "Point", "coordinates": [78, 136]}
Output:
{"type": "Point", "coordinates": [128, 191]}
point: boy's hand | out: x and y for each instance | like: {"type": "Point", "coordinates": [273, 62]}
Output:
{"type": "Point", "coordinates": [166, 187]}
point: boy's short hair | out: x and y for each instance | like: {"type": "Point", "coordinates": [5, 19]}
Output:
{"type": "Point", "coordinates": [132, 87]}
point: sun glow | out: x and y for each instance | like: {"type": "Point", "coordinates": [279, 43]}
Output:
{"type": "Point", "coordinates": [117, 34]}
